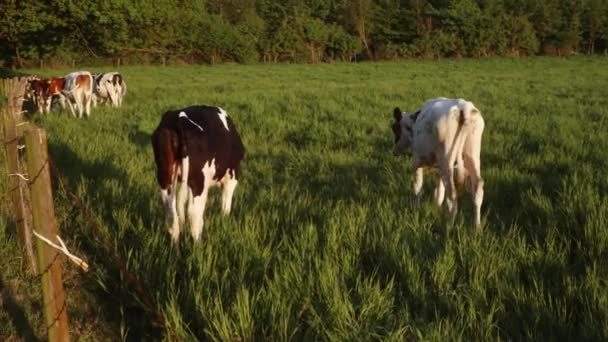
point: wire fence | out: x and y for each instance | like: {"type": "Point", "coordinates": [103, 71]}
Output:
{"type": "Point", "coordinates": [95, 226]}
{"type": "Point", "coordinates": [26, 184]}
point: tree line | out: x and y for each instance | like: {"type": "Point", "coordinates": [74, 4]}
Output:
{"type": "Point", "coordinates": [251, 31]}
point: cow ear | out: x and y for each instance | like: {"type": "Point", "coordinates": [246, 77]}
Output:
{"type": "Point", "coordinates": [397, 113]}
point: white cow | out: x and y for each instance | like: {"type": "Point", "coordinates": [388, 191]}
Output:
{"type": "Point", "coordinates": [442, 133]}
{"type": "Point", "coordinates": [110, 88]}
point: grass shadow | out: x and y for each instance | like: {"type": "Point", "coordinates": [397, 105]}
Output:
{"type": "Point", "coordinates": [141, 139]}
{"type": "Point", "coordinates": [97, 232]}
{"type": "Point", "coordinates": [16, 314]}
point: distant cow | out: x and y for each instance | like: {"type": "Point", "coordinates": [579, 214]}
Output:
{"type": "Point", "coordinates": [36, 90]}
{"type": "Point", "coordinates": [109, 87]}
{"type": "Point", "coordinates": [76, 87]}
{"type": "Point", "coordinates": [198, 147]}
{"type": "Point", "coordinates": [78, 90]}
{"type": "Point", "coordinates": [54, 88]}
{"type": "Point", "coordinates": [442, 133]}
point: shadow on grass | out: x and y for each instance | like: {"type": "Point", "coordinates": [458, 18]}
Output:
{"type": "Point", "coordinates": [16, 314]}
{"type": "Point", "coordinates": [102, 202]}
{"type": "Point", "coordinates": [141, 139]}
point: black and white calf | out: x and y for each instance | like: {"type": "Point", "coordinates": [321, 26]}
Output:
{"type": "Point", "coordinates": [109, 87]}
{"type": "Point", "coordinates": [442, 133]}
{"type": "Point", "coordinates": [198, 147]}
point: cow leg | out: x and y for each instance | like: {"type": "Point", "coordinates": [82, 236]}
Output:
{"type": "Point", "coordinates": [116, 98]}
{"type": "Point", "coordinates": [71, 108]}
{"type": "Point", "coordinates": [87, 104]}
{"type": "Point", "coordinates": [113, 100]}
{"type": "Point", "coordinates": [439, 192]}
{"type": "Point", "coordinates": [461, 172]}
{"type": "Point", "coordinates": [447, 176]}
{"type": "Point", "coordinates": [474, 170]}
{"type": "Point", "coordinates": [227, 191]}
{"type": "Point", "coordinates": [39, 104]}
{"type": "Point", "coordinates": [418, 182]}
{"type": "Point", "coordinates": [198, 203]}
{"type": "Point", "coordinates": [182, 195]}
{"type": "Point", "coordinates": [196, 210]}
{"type": "Point", "coordinates": [61, 101]}
{"type": "Point", "coordinates": [47, 105]}
{"type": "Point", "coordinates": [79, 99]}
{"type": "Point", "coordinates": [67, 98]}
{"type": "Point", "coordinates": [168, 196]}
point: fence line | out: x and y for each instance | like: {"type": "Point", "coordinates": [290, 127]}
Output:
{"type": "Point", "coordinates": [40, 201]}
{"type": "Point", "coordinates": [133, 281]}
{"type": "Point", "coordinates": [11, 120]}
{"type": "Point", "coordinates": [43, 214]}
{"type": "Point", "coordinates": [37, 179]}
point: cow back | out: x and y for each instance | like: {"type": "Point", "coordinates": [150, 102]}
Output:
{"type": "Point", "coordinates": [55, 85]}
{"type": "Point", "coordinates": [210, 135]}
{"type": "Point", "coordinates": [78, 80]}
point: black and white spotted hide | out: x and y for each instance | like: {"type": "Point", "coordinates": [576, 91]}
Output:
{"type": "Point", "coordinates": [195, 148]}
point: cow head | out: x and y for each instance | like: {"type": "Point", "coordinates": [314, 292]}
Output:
{"type": "Point", "coordinates": [403, 130]}
{"type": "Point", "coordinates": [29, 87]}
{"type": "Point", "coordinates": [38, 90]}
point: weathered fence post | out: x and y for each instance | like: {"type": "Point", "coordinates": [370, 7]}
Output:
{"type": "Point", "coordinates": [55, 306]}
{"type": "Point", "coordinates": [11, 118]}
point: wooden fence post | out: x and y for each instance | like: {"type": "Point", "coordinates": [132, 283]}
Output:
{"type": "Point", "coordinates": [55, 305]}
{"type": "Point", "coordinates": [18, 187]}
{"type": "Point", "coordinates": [13, 90]}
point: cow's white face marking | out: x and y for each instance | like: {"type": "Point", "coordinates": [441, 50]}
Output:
{"type": "Point", "coordinates": [223, 115]}
{"type": "Point", "coordinates": [183, 115]}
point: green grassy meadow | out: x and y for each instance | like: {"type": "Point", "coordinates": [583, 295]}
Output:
{"type": "Point", "coordinates": [324, 242]}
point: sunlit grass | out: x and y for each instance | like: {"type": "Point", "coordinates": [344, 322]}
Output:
{"type": "Point", "coordinates": [324, 242]}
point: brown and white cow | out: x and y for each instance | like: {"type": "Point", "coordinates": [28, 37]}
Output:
{"type": "Point", "coordinates": [54, 88]}
{"type": "Point", "coordinates": [110, 88]}
{"type": "Point", "coordinates": [76, 88]}
{"type": "Point", "coordinates": [78, 91]}
{"type": "Point", "coordinates": [197, 147]}
{"type": "Point", "coordinates": [442, 133]}
{"type": "Point", "coordinates": [36, 90]}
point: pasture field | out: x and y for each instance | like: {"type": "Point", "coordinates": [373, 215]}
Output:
{"type": "Point", "coordinates": [324, 242]}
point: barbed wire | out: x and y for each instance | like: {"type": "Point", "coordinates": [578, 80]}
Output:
{"type": "Point", "coordinates": [5, 196]}
{"type": "Point", "coordinates": [6, 142]}
{"type": "Point", "coordinates": [56, 319]}
{"type": "Point", "coordinates": [78, 204]}
{"type": "Point", "coordinates": [132, 279]}
{"type": "Point", "coordinates": [47, 269]}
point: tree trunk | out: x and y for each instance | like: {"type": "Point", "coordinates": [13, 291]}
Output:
{"type": "Point", "coordinates": [364, 41]}
{"type": "Point", "coordinates": [18, 56]}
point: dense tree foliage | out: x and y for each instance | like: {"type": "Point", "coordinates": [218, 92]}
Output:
{"type": "Point", "coordinates": [246, 31]}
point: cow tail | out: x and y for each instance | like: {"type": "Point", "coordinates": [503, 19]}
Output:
{"type": "Point", "coordinates": [182, 148]}
{"type": "Point", "coordinates": [467, 111]}
{"type": "Point", "coordinates": [182, 140]}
